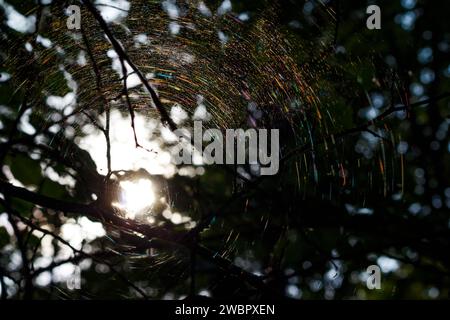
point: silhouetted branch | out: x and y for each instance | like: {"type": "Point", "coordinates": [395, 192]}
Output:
{"type": "Point", "coordinates": [165, 118]}
{"type": "Point", "coordinates": [333, 137]}
{"type": "Point", "coordinates": [80, 252]}
{"type": "Point", "coordinates": [147, 232]}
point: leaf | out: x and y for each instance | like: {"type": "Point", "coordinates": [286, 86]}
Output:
{"type": "Point", "coordinates": [53, 189]}
{"type": "Point", "coordinates": [25, 169]}
{"type": "Point", "coordinates": [4, 237]}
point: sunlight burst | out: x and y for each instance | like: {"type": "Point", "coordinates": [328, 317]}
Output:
{"type": "Point", "coordinates": [135, 196]}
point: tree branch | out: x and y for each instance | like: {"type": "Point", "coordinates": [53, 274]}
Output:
{"type": "Point", "coordinates": [165, 118]}
{"type": "Point", "coordinates": [80, 252]}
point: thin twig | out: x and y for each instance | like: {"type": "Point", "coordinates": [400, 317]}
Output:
{"type": "Point", "coordinates": [364, 127]}
{"type": "Point", "coordinates": [35, 227]}
{"type": "Point", "coordinates": [165, 118]}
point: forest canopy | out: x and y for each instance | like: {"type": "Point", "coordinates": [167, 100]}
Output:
{"type": "Point", "coordinates": [93, 204]}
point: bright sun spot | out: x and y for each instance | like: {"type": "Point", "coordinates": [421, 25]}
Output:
{"type": "Point", "coordinates": [135, 196]}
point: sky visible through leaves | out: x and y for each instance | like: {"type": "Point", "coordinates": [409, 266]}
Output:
{"type": "Point", "coordinates": [88, 180]}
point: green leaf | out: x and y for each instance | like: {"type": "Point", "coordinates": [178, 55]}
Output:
{"type": "Point", "coordinates": [53, 189]}
{"type": "Point", "coordinates": [25, 169]}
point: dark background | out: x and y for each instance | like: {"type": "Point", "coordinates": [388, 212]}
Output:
{"type": "Point", "coordinates": [379, 194]}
